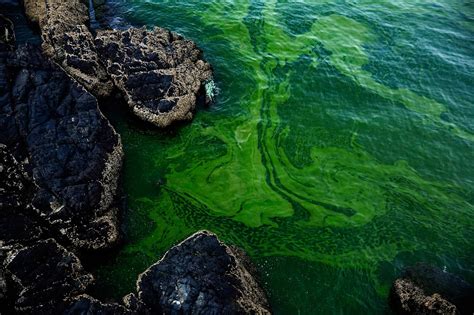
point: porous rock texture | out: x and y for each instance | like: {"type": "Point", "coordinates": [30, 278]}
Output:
{"type": "Point", "coordinates": [160, 74]}
{"type": "Point", "coordinates": [425, 289]}
{"type": "Point", "coordinates": [68, 41]}
{"type": "Point", "coordinates": [201, 275]}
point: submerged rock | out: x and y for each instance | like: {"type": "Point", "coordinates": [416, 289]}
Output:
{"type": "Point", "coordinates": [161, 74]}
{"type": "Point", "coordinates": [201, 275]}
{"type": "Point", "coordinates": [424, 289]}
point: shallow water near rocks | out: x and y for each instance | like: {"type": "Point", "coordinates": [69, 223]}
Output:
{"type": "Point", "coordinates": [339, 149]}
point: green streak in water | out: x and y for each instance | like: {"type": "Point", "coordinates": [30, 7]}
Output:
{"type": "Point", "coordinates": [285, 166]}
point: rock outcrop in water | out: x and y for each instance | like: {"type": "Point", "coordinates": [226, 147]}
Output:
{"type": "Point", "coordinates": [68, 41]}
{"type": "Point", "coordinates": [60, 160]}
{"type": "Point", "coordinates": [160, 74]}
{"type": "Point", "coordinates": [424, 289]}
{"type": "Point", "coordinates": [74, 153]}
{"type": "Point", "coordinates": [201, 275]}
{"type": "Point", "coordinates": [59, 163]}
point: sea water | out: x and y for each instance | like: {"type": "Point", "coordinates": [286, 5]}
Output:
{"type": "Point", "coordinates": [338, 151]}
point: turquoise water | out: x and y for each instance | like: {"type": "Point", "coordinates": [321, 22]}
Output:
{"type": "Point", "coordinates": [339, 149]}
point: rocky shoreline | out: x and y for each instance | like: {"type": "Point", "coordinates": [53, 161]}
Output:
{"type": "Point", "coordinates": [160, 74]}
{"type": "Point", "coordinates": [60, 163]}
{"type": "Point", "coordinates": [61, 160]}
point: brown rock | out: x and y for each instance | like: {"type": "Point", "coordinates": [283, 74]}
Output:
{"type": "Point", "coordinates": [407, 298]}
{"type": "Point", "coordinates": [424, 289]}
{"type": "Point", "coordinates": [161, 74]}
{"type": "Point", "coordinates": [68, 41]}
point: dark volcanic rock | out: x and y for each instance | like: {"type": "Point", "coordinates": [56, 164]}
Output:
{"type": "Point", "coordinates": [18, 220]}
{"type": "Point", "coordinates": [46, 274]}
{"type": "Point", "coordinates": [69, 42]}
{"type": "Point", "coordinates": [75, 153]}
{"type": "Point", "coordinates": [161, 74]}
{"type": "Point", "coordinates": [201, 275]}
{"type": "Point", "coordinates": [424, 289]}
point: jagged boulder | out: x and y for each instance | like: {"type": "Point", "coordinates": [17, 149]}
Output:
{"type": "Point", "coordinates": [425, 289]}
{"type": "Point", "coordinates": [161, 74]}
{"type": "Point", "coordinates": [201, 275]}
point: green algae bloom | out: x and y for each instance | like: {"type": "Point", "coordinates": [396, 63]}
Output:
{"type": "Point", "coordinates": [338, 150]}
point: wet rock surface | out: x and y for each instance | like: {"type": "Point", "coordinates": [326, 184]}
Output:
{"type": "Point", "coordinates": [425, 289]}
{"type": "Point", "coordinates": [60, 160]}
{"type": "Point", "coordinates": [68, 41]}
{"type": "Point", "coordinates": [161, 74]}
{"type": "Point", "coordinates": [201, 275]}
{"type": "Point", "coordinates": [43, 113]}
